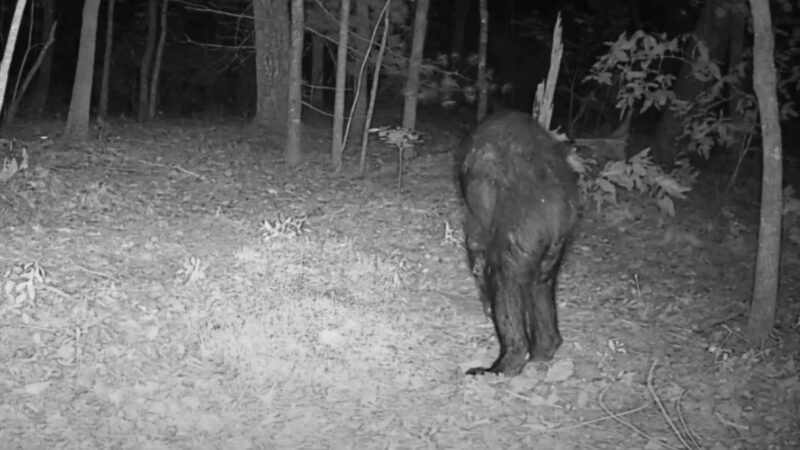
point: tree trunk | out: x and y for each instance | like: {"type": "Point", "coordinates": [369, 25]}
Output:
{"type": "Point", "coordinates": [714, 28]}
{"type": "Point", "coordinates": [152, 106]}
{"type": "Point", "coordinates": [317, 70]}
{"type": "Point", "coordinates": [77, 127]}
{"type": "Point", "coordinates": [359, 118]}
{"type": "Point", "coordinates": [460, 14]}
{"type": "Point", "coordinates": [337, 145]}
{"type": "Point", "coordinates": [765, 290]}
{"type": "Point", "coordinates": [738, 30]}
{"type": "Point", "coordinates": [147, 58]}
{"type": "Point", "coordinates": [294, 150]}
{"type": "Point", "coordinates": [375, 78]}
{"type": "Point", "coordinates": [483, 82]}
{"type": "Point", "coordinates": [415, 65]}
{"type": "Point", "coordinates": [103, 108]}
{"type": "Point", "coordinates": [11, 114]}
{"type": "Point", "coordinates": [8, 54]}
{"type": "Point", "coordinates": [42, 87]}
{"type": "Point", "coordinates": [271, 21]}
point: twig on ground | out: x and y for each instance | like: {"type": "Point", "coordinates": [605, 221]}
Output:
{"type": "Point", "coordinates": [31, 326]}
{"type": "Point", "coordinates": [664, 412]}
{"type": "Point", "coordinates": [593, 421]}
{"type": "Point", "coordinates": [690, 434]}
{"type": "Point", "coordinates": [628, 424]}
{"type": "Point", "coordinates": [77, 357]}
{"type": "Point", "coordinates": [94, 272]}
{"type": "Point", "coordinates": [529, 399]}
{"type": "Point", "coordinates": [727, 422]}
{"type": "Point", "coordinates": [174, 166]}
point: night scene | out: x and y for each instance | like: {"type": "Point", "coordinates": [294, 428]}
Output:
{"type": "Point", "coordinates": [400, 224]}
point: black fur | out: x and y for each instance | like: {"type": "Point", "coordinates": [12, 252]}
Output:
{"type": "Point", "coordinates": [522, 207]}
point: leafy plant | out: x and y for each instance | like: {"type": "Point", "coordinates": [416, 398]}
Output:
{"type": "Point", "coordinates": [21, 283]}
{"type": "Point", "coordinates": [634, 67]}
{"type": "Point", "coordinates": [640, 174]}
{"type": "Point", "coordinates": [402, 139]}
{"type": "Point", "coordinates": [286, 227]}
{"type": "Point", "coordinates": [13, 161]}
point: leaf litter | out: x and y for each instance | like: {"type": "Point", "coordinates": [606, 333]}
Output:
{"type": "Point", "coordinates": [179, 289]}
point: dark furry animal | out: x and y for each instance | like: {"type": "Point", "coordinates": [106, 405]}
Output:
{"type": "Point", "coordinates": [521, 209]}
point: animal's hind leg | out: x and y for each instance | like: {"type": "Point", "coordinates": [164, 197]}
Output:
{"type": "Point", "coordinates": [544, 323]}
{"type": "Point", "coordinates": [477, 264]}
{"type": "Point", "coordinates": [506, 294]}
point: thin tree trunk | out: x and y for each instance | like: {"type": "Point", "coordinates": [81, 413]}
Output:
{"type": "Point", "coordinates": [147, 58]}
{"type": "Point", "coordinates": [271, 22]}
{"type": "Point", "coordinates": [162, 38]}
{"type": "Point", "coordinates": [483, 82]}
{"type": "Point", "coordinates": [103, 108]}
{"type": "Point", "coordinates": [337, 145]}
{"type": "Point", "coordinates": [738, 29]}
{"type": "Point", "coordinates": [8, 53]}
{"type": "Point", "coordinates": [765, 290]}
{"type": "Point", "coordinates": [14, 106]}
{"type": "Point", "coordinates": [415, 65]}
{"type": "Point", "coordinates": [375, 78]}
{"type": "Point", "coordinates": [359, 117]}
{"type": "Point", "coordinates": [460, 14]}
{"type": "Point", "coordinates": [317, 70]}
{"type": "Point", "coordinates": [42, 87]}
{"type": "Point", "coordinates": [294, 150]}
{"type": "Point", "coordinates": [77, 127]}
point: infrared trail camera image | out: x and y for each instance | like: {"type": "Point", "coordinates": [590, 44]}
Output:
{"type": "Point", "coordinates": [397, 224]}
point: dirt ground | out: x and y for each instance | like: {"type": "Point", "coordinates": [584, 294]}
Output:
{"type": "Point", "coordinates": [175, 286]}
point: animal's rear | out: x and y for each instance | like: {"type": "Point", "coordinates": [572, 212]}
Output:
{"type": "Point", "coordinates": [521, 199]}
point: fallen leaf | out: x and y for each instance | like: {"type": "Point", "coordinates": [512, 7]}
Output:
{"type": "Point", "coordinates": [560, 371]}
{"type": "Point", "coordinates": [36, 388]}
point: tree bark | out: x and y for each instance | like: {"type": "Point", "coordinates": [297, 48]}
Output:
{"type": "Point", "coordinates": [271, 22]}
{"type": "Point", "coordinates": [77, 127]}
{"type": "Point", "coordinates": [415, 65]}
{"type": "Point", "coordinates": [765, 290]}
{"type": "Point", "coordinates": [483, 82]}
{"type": "Point", "coordinates": [337, 144]}
{"type": "Point", "coordinates": [359, 118]}
{"type": "Point", "coordinates": [103, 108]}
{"type": "Point", "coordinates": [162, 38]}
{"type": "Point", "coordinates": [294, 150]}
{"type": "Point", "coordinates": [317, 70]}
{"type": "Point", "coordinates": [42, 86]}
{"type": "Point", "coordinates": [147, 58]}
{"type": "Point", "coordinates": [8, 54]}
{"type": "Point", "coordinates": [714, 28]}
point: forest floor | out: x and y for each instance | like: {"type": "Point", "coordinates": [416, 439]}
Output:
{"type": "Point", "coordinates": [176, 286]}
